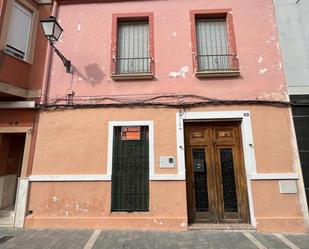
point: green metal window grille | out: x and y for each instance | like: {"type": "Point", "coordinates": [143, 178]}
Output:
{"type": "Point", "coordinates": [130, 172]}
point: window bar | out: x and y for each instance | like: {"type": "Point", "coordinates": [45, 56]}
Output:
{"type": "Point", "coordinates": [138, 45]}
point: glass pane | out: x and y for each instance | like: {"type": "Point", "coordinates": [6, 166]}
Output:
{"type": "Point", "coordinates": [133, 48]}
{"type": "Point", "coordinates": [212, 45]}
{"type": "Point", "coordinates": [228, 180]}
{"type": "Point", "coordinates": [57, 32]}
{"type": "Point", "coordinates": [48, 28]}
{"type": "Point", "coordinates": [200, 180]}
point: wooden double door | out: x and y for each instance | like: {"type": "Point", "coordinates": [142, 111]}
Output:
{"type": "Point", "coordinates": [216, 181]}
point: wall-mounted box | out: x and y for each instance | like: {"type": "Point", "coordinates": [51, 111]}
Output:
{"type": "Point", "coordinates": [167, 162]}
{"type": "Point", "coordinates": [288, 187]}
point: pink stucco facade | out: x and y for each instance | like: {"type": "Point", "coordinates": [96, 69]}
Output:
{"type": "Point", "coordinates": [87, 42]}
{"type": "Point", "coordinates": [70, 181]}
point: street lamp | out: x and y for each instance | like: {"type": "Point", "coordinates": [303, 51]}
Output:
{"type": "Point", "coordinates": [52, 31]}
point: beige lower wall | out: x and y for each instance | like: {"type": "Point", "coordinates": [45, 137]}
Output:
{"type": "Point", "coordinates": [276, 212]}
{"type": "Point", "coordinates": [75, 142]}
{"type": "Point", "coordinates": [66, 204]}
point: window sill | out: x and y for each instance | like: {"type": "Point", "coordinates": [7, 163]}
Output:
{"type": "Point", "coordinates": [217, 74]}
{"type": "Point", "coordinates": [136, 76]}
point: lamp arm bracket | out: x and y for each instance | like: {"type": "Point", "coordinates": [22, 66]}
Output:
{"type": "Point", "coordinates": [67, 63]}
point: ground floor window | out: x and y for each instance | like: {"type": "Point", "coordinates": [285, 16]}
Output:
{"type": "Point", "coordinates": [130, 169]}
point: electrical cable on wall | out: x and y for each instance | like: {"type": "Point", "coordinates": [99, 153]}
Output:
{"type": "Point", "coordinates": [169, 101]}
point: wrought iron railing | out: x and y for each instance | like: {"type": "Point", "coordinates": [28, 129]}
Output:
{"type": "Point", "coordinates": [140, 65]}
{"type": "Point", "coordinates": [218, 62]}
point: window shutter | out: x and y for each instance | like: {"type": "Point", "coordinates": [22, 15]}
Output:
{"type": "Point", "coordinates": [19, 30]}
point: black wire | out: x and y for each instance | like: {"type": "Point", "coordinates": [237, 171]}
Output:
{"type": "Point", "coordinates": [169, 101]}
{"type": "Point", "coordinates": [161, 104]}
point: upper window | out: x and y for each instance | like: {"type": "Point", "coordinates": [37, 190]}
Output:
{"type": "Point", "coordinates": [19, 31]}
{"type": "Point", "coordinates": [214, 45]}
{"type": "Point", "coordinates": [133, 55]}
{"type": "Point", "coordinates": [212, 48]}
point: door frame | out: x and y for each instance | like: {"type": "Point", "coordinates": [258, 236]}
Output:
{"type": "Point", "coordinates": [247, 142]}
{"type": "Point", "coordinates": [23, 181]}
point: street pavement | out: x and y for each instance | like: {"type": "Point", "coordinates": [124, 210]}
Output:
{"type": "Point", "coordinates": [114, 239]}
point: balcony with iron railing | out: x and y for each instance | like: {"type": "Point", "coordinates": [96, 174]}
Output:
{"type": "Point", "coordinates": [133, 68]}
{"type": "Point", "coordinates": [217, 65]}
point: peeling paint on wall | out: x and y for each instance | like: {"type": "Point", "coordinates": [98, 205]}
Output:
{"type": "Point", "coordinates": [262, 71]}
{"type": "Point", "coordinates": [158, 222]}
{"type": "Point", "coordinates": [84, 210]}
{"type": "Point", "coordinates": [280, 65]}
{"type": "Point", "coordinates": [279, 95]}
{"type": "Point", "coordinates": [55, 199]}
{"type": "Point", "coordinates": [182, 72]}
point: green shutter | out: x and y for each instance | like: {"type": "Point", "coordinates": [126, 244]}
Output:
{"type": "Point", "coordinates": [130, 175]}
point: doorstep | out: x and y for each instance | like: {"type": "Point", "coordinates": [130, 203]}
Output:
{"type": "Point", "coordinates": [6, 218]}
{"type": "Point", "coordinates": [6, 222]}
{"type": "Point", "coordinates": [222, 227]}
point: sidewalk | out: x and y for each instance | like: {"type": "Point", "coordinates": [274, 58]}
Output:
{"type": "Point", "coordinates": [90, 239]}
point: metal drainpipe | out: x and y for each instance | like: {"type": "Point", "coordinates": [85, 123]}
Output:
{"type": "Point", "coordinates": [47, 64]}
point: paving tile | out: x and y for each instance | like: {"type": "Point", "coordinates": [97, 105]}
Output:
{"type": "Point", "coordinates": [270, 241]}
{"type": "Point", "coordinates": [113, 239]}
{"type": "Point", "coordinates": [225, 240]}
{"type": "Point", "coordinates": [301, 240]}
